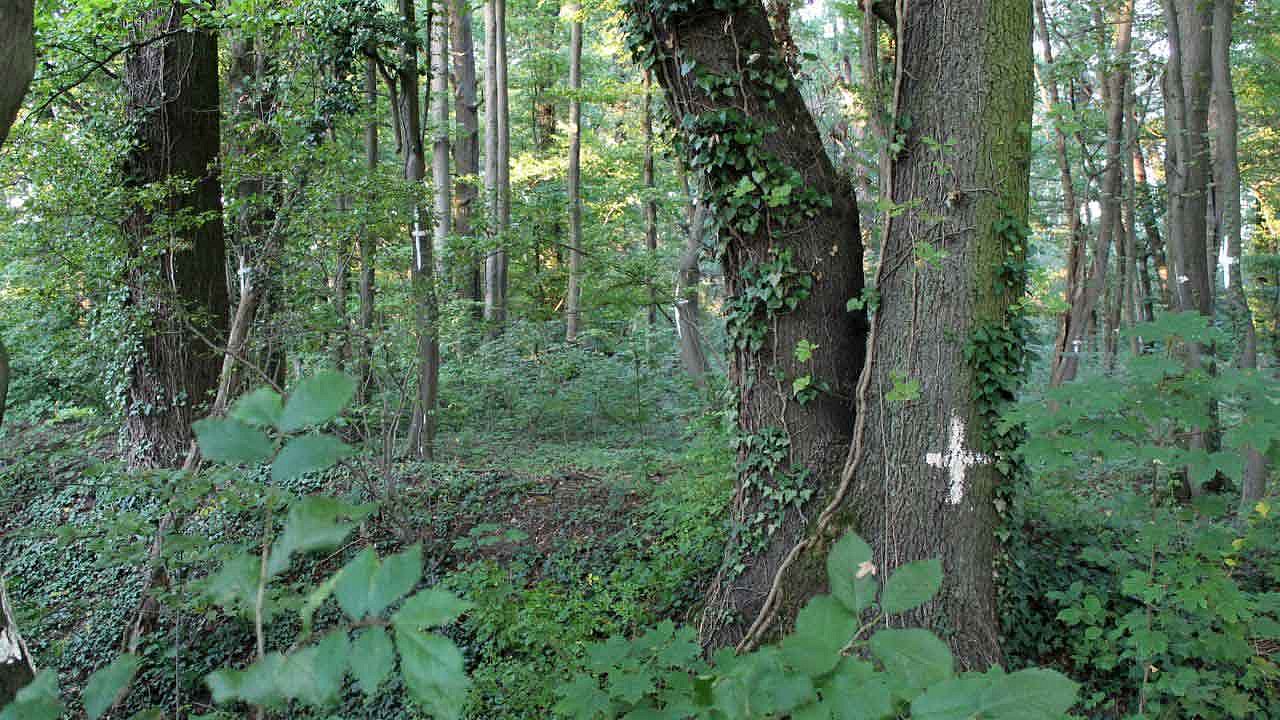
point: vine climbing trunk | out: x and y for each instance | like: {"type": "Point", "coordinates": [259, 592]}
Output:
{"type": "Point", "coordinates": [177, 281]}
{"type": "Point", "coordinates": [789, 242]}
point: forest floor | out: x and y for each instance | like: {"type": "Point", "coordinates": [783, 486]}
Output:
{"type": "Point", "coordinates": [555, 543]}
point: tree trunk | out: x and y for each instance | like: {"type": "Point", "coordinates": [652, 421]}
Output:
{"type": "Point", "coordinates": [805, 251]}
{"type": "Point", "coordinates": [1227, 191]}
{"type": "Point", "coordinates": [18, 55]}
{"type": "Point", "coordinates": [16, 666]}
{"type": "Point", "coordinates": [497, 162]}
{"type": "Point", "coordinates": [1066, 364]}
{"type": "Point", "coordinates": [368, 243]}
{"type": "Point", "coordinates": [688, 312]}
{"type": "Point", "coordinates": [466, 147]}
{"type": "Point", "coordinates": [177, 286]}
{"type": "Point", "coordinates": [422, 428]}
{"type": "Point", "coordinates": [651, 202]}
{"type": "Point", "coordinates": [572, 307]}
{"type": "Point", "coordinates": [439, 111]}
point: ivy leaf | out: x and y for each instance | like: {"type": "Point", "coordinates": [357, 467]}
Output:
{"type": "Point", "coordinates": [914, 656]}
{"type": "Point", "coordinates": [823, 627]}
{"type": "Point", "coordinates": [911, 586]}
{"type": "Point", "coordinates": [366, 586]}
{"type": "Point", "coordinates": [376, 659]}
{"type": "Point", "coordinates": [231, 441]}
{"type": "Point", "coordinates": [105, 685]}
{"type": "Point", "coordinates": [433, 673]}
{"type": "Point", "coordinates": [316, 400]}
{"type": "Point", "coordinates": [306, 454]}
{"type": "Point", "coordinates": [430, 608]}
{"type": "Point", "coordinates": [38, 700]}
{"type": "Point", "coordinates": [851, 574]}
{"type": "Point", "coordinates": [260, 408]}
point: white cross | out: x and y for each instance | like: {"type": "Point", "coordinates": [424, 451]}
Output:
{"type": "Point", "coordinates": [956, 459]}
{"type": "Point", "coordinates": [418, 233]}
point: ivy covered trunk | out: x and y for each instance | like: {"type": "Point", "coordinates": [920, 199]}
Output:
{"type": "Point", "coordinates": [790, 245]}
{"type": "Point", "coordinates": [949, 345]}
{"type": "Point", "coordinates": [177, 278]}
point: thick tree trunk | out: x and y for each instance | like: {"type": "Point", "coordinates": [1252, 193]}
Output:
{"type": "Point", "coordinates": [573, 300]}
{"type": "Point", "coordinates": [18, 56]}
{"type": "Point", "coordinates": [466, 146]}
{"type": "Point", "coordinates": [806, 250]}
{"type": "Point", "coordinates": [1066, 364]}
{"type": "Point", "coordinates": [177, 287]}
{"type": "Point", "coordinates": [1227, 192]}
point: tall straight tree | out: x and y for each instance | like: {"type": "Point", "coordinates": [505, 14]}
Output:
{"type": "Point", "coordinates": [573, 309]}
{"type": "Point", "coordinates": [422, 428]}
{"type": "Point", "coordinates": [367, 242]}
{"type": "Point", "coordinates": [650, 201]}
{"type": "Point", "coordinates": [1226, 175]}
{"type": "Point", "coordinates": [466, 145]}
{"type": "Point", "coordinates": [438, 109]}
{"type": "Point", "coordinates": [497, 161]}
{"type": "Point", "coordinates": [921, 474]}
{"type": "Point", "coordinates": [177, 282]}
{"type": "Point", "coordinates": [792, 256]}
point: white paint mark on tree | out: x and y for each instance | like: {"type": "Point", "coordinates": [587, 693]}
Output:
{"type": "Point", "coordinates": [956, 459]}
{"type": "Point", "coordinates": [10, 650]}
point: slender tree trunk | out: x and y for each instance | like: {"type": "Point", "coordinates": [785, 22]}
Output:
{"type": "Point", "coordinates": [1151, 230]}
{"type": "Point", "coordinates": [573, 301]}
{"type": "Point", "coordinates": [1227, 191]}
{"type": "Point", "coordinates": [179, 294]}
{"type": "Point", "coordinates": [497, 162]}
{"type": "Point", "coordinates": [1066, 364]}
{"type": "Point", "coordinates": [466, 147]}
{"type": "Point", "coordinates": [368, 243]}
{"type": "Point", "coordinates": [422, 428]}
{"type": "Point", "coordinates": [688, 312]}
{"type": "Point", "coordinates": [651, 202]}
{"type": "Point", "coordinates": [1129, 309]}
{"type": "Point", "coordinates": [815, 258]}
{"type": "Point", "coordinates": [439, 112]}
{"type": "Point", "coordinates": [17, 52]}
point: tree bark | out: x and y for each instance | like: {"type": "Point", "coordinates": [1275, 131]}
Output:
{"type": "Point", "coordinates": [17, 52]}
{"type": "Point", "coordinates": [177, 285]}
{"type": "Point", "coordinates": [466, 146]}
{"type": "Point", "coordinates": [367, 242]}
{"type": "Point", "coordinates": [497, 162]}
{"type": "Point", "coordinates": [439, 111]}
{"type": "Point", "coordinates": [688, 302]}
{"type": "Point", "coordinates": [784, 444]}
{"type": "Point", "coordinates": [572, 307]}
{"type": "Point", "coordinates": [650, 203]}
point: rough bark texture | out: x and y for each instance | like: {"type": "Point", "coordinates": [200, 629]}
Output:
{"type": "Point", "coordinates": [177, 286]}
{"type": "Point", "coordinates": [16, 666]}
{"type": "Point", "coordinates": [825, 247]}
{"type": "Point", "coordinates": [1085, 304]}
{"type": "Point", "coordinates": [466, 145]}
{"type": "Point", "coordinates": [17, 52]}
{"type": "Point", "coordinates": [573, 300]}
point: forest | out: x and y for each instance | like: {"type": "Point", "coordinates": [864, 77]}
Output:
{"type": "Point", "coordinates": [642, 359]}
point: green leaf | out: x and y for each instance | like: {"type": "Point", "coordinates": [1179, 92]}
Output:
{"type": "Point", "coordinates": [314, 675]}
{"type": "Point", "coordinates": [582, 699]}
{"type": "Point", "coordinates": [911, 586]}
{"type": "Point", "coordinates": [430, 608]}
{"type": "Point", "coordinates": [38, 700]}
{"type": "Point", "coordinates": [231, 441]}
{"type": "Point", "coordinates": [367, 587]}
{"type": "Point", "coordinates": [759, 686]}
{"type": "Point", "coordinates": [823, 628]}
{"type": "Point", "coordinates": [915, 656]}
{"type": "Point", "coordinates": [307, 454]}
{"type": "Point", "coordinates": [1033, 694]}
{"type": "Point", "coordinates": [317, 399]}
{"type": "Point", "coordinates": [313, 524]}
{"type": "Point", "coordinates": [854, 694]}
{"type": "Point", "coordinates": [955, 699]}
{"type": "Point", "coordinates": [235, 586]}
{"type": "Point", "coordinates": [630, 686]}
{"type": "Point", "coordinates": [433, 673]}
{"type": "Point", "coordinates": [257, 684]}
{"type": "Point", "coordinates": [605, 656]}
{"type": "Point", "coordinates": [849, 559]}
{"type": "Point", "coordinates": [260, 408]}
{"type": "Point", "coordinates": [375, 659]}
{"type": "Point", "coordinates": [104, 685]}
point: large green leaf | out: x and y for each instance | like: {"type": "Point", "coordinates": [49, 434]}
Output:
{"type": "Point", "coordinates": [851, 573]}
{"type": "Point", "coordinates": [234, 587]}
{"type": "Point", "coordinates": [258, 684]}
{"type": "Point", "coordinates": [231, 441]}
{"type": "Point", "coordinates": [314, 523]}
{"type": "Point", "coordinates": [582, 699]}
{"type": "Point", "coordinates": [959, 698]}
{"type": "Point", "coordinates": [307, 454]}
{"type": "Point", "coordinates": [433, 673]}
{"type": "Point", "coordinates": [760, 686]}
{"type": "Point", "coordinates": [911, 586]}
{"type": "Point", "coordinates": [1032, 694]}
{"type": "Point", "coordinates": [261, 408]}
{"type": "Point", "coordinates": [375, 659]}
{"type": "Point", "coordinates": [915, 657]}
{"type": "Point", "coordinates": [104, 685]}
{"type": "Point", "coordinates": [367, 587]}
{"type": "Point", "coordinates": [823, 627]}
{"type": "Point", "coordinates": [37, 701]}
{"type": "Point", "coordinates": [430, 608]}
{"type": "Point", "coordinates": [858, 695]}
{"type": "Point", "coordinates": [317, 399]}
{"type": "Point", "coordinates": [314, 674]}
